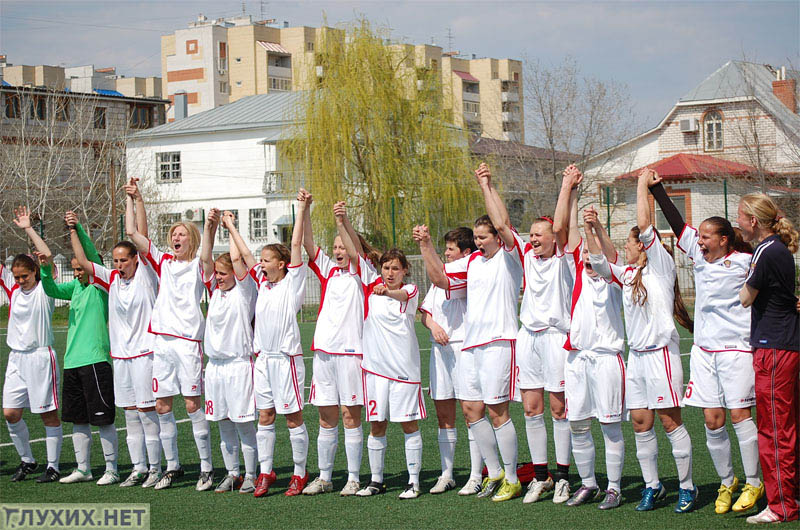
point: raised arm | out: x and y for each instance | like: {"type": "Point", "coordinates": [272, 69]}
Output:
{"type": "Point", "coordinates": [298, 230]}
{"type": "Point", "coordinates": [141, 212]}
{"type": "Point", "coordinates": [308, 233]}
{"type": "Point", "coordinates": [600, 233]}
{"type": "Point", "coordinates": [77, 247]}
{"type": "Point", "coordinates": [139, 239]}
{"type": "Point", "coordinates": [353, 235]}
{"type": "Point", "coordinates": [591, 227]}
{"type": "Point", "coordinates": [240, 262]}
{"type": "Point", "coordinates": [668, 208]}
{"type": "Point", "coordinates": [23, 220]}
{"type": "Point", "coordinates": [494, 206]}
{"type": "Point", "coordinates": [643, 214]}
{"type": "Point", "coordinates": [340, 213]}
{"type": "Point", "coordinates": [567, 236]}
{"type": "Point", "coordinates": [61, 291]}
{"type": "Point", "coordinates": [207, 244]}
{"type": "Point", "coordinates": [433, 263]}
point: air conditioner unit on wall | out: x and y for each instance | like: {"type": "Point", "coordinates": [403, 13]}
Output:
{"type": "Point", "coordinates": [193, 214]}
{"type": "Point", "coordinates": [690, 125]}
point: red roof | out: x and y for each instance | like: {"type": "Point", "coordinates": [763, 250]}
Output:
{"type": "Point", "coordinates": [688, 166]}
{"type": "Point", "coordinates": [466, 76]}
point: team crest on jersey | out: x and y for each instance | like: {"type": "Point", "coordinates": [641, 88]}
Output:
{"type": "Point", "coordinates": [727, 263]}
{"type": "Point", "coordinates": [194, 387]}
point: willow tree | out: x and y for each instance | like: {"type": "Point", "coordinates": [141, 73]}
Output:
{"type": "Point", "coordinates": [374, 132]}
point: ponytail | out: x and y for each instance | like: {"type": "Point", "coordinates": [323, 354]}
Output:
{"type": "Point", "coordinates": [638, 290]}
{"type": "Point", "coordinates": [679, 309]}
{"type": "Point", "coordinates": [765, 211]}
{"type": "Point", "coordinates": [786, 231]}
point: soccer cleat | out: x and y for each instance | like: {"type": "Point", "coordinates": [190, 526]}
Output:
{"type": "Point", "coordinates": [296, 485]}
{"type": "Point", "coordinates": [508, 491]}
{"type": "Point", "coordinates": [611, 500]}
{"type": "Point", "coordinates": [248, 485]}
{"type": "Point", "coordinates": [134, 479]}
{"type": "Point", "coordinates": [561, 491]}
{"type": "Point", "coordinates": [229, 483]}
{"type": "Point", "coordinates": [318, 486]}
{"type": "Point", "coordinates": [443, 484]}
{"type": "Point", "coordinates": [263, 482]}
{"type": "Point", "coordinates": [536, 488]}
{"type": "Point", "coordinates": [725, 496]}
{"type": "Point", "coordinates": [350, 489]}
{"type": "Point", "coordinates": [472, 487]}
{"type": "Point", "coordinates": [206, 481]}
{"type": "Point", "coordinates": [491, 485]}
{"type": "Point", "coordinates": [49, 475]}
{"type": "Point", "coordinates": [686, 500]}
{"type": "Point", "coordinates": [411, 492]}
{"type": "Point", "coordinates": [23, 470]}
{"type": "Point", "coordinates": [765, 516]}
{"type": "Point", "coordinates": [749, 497]}
{"type": "Point", "coordinates": [650, 496]}
{"type": "Point", "coordinates": [373, 488]}
{"type": "Point", "coordinates": [109, 477]}
{"type": "Point", "coordinates": [167, 478]}
{"type": "Point", "coordinates": [583, 495]}
{"type": "Point", "coordinates": [76, 476]}
{"type": "Point", "coordinates": [153, 476]}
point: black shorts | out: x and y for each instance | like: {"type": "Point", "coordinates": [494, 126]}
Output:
{"type": "Point", "coordinates": [87, 395]}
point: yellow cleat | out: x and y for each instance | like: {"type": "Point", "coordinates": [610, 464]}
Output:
{"type": "Point", "coordinates": [749, 497]}
{"type": "Point", "coordinates": [508, 491]}
{"type": "Point", "coordinates": [725, 496]}
{"type": "Point", "coordinates": [491, 485]}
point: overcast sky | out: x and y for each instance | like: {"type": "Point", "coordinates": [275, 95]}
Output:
{"type": "Point", "coordinates": [659, 49]}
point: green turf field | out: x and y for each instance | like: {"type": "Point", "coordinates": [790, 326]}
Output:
{"type": "Point", "coordinates": [183, 507]}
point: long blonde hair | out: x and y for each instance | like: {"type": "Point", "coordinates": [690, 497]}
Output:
{"type": "Point", "coordinates": [194, 236]}
{"type": "Point", "coordinates": [765, 211]}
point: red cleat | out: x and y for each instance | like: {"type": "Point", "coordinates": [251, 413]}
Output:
{"type": "Point", "coordinates": [296, 485]}
{"type": "Point", "coordinates": [263, 482]}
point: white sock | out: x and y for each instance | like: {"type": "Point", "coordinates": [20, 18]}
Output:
{"type": "Point", "coordinates": [247, 435]}
{"type": "Point", "coordinates": [202, 438]}
{"type": "Point", "coordinates": [507, 443]}
{"type": "Point", "coordinates": [475, 458]}
{"type": "Point", "coordinates": [22, 440]}
{"type": "Point", "coordinates": [82, 442]}
{"type": "Point", "coordinates": [327, 443]}
{"type": "Point", "coordinates": [583, 451]}
{"type": "Point", "coordinates": [414, 457]}
{"type": "Point", "coordinates": [447, 450]}
{"type": "Point", "coordinates": [647, 454]}
{"type": "Point", "coordinates": [562, 441]}
{"type": "Point", "coordinates": [135, 440]}
{"type": "Point", "coordinates": [53, 438]}
{"type": "Point", "coordinates": [615, 454]}
{"type": "Point", "coordinates": [719, 446]}
{"type": "Point", "coordinates": [168, 434]}
{"type": "Point", "coordinates": [299, 440]}
{"type": "Point", "coordinates": [537, 438]}
{"type": "Point", "coordinates": [747, 433]}
{"type": "Point", "coordinates": [682, 452]}
{"type": "Point", "coordinates": [266, 447]}
{"type": "Point", "coordinates": [376, 449]}
{"type": "Point", "coordinates": [152, 441]}
{"type": "Point", "coordinates": [109, 443]}
{"type": "Point", "coordinates": [353, 446]}
{"type": "Point", "coordinates": [487, 443]}
{"type": "Point", "coordinates": [229, 446]}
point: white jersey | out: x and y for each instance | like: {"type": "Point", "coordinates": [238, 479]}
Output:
{"type": "Point", "coordinates": [229, 322]}
{"type": "Point", "coordinates": [390, 342]}
{"type": "Point", "coordinates": [492, 293]}
{"type": "Point", "coordinates": [649, 326]}
{"type": "Point", "coordinates": [29, 314]}
{"type": "Point", "coordinates": [130, 307]}
{"type": "Point", "coordinates": [721, 322]}
{"type": "Point", "coordinates": [340, 321]}
{"type": "Point", "coordinates": [596, 312]}
{"type": "Point", "coordinates": [177, 309]}
{"type": "Point", "coordinates": [277, 332]}
{"type": "Point", "coordinates": [547, 290]}
{"type": "Point", "coordinates": [447, 308]}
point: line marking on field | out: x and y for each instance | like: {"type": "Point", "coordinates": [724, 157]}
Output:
{"type": "Point", "coordinates": [9, 444]}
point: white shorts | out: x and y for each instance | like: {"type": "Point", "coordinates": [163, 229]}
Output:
{"type": "Point", "coordinates": [229, 390]}
{"type": "Point", "coordinates": [31, 380]}
{"type": "Point", "coordinates": [595, 386]}
{"type": "Point", "coordinates": [391, 400]}
{"type": "Point", "coordinates": [177, 367]}
{"type": "Point", "coordinates": [443, 370]}
{"type": "Point", "coordinates": [278, 382]}
{"type": "Point", "coordinates": [541, 357]}
{"type": "Point", "coordinates": [655, 379]}
{"type": "Point", "coordinates": [133, 382]}
{"type": "Point", "coordinates": [488, 373]}
{"type": "Point", "coordinates": [336, 380]}
{"type": "Point", "coordinates": [721, 380]}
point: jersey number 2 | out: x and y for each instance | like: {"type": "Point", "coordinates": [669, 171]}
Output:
{"type": "Point", "coordinates": [372, 406]}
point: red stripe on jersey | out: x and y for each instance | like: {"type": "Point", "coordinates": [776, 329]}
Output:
{"type": "Point", "coordinates": [576, 293]}
{"type": "Point", "coordinates": [622, 370]}
{"type": "Point", "coordinates": [367, 292]}
{"type": "Point", "coordinates": [678, 244]}
{"type": "Point", "coordinates": [297, 394]}
{"type": "Point", "coordinates": [720, 351]}
{"type": "Point", "coordinates": [513, 379]}
{"type": "Point", "coordinates": [54, 375]}
{"type": "Point", "coordinates": [423, 412]}
{"type": "Point", "coordinates": [10, 295]}
{"type": "Point", "coordinates": [486, 343]}
{"type": "Point", "coordinates": [313, 349]}
{"type": "Point", "coordinates": [668, 366]}
{"type": "Point", "coordinates": [253, 381]}
{"type": "Point", "coordinates": [392, 378]}
{"type": "Point", "coordinates": [364, 391]}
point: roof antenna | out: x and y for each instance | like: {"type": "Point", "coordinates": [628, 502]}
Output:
{"type": "Point", "coordinates": [243, 8]}
{"type": "Point", "coordinates": [449, 39]}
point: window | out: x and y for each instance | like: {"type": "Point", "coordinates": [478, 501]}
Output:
{"type": "Point", "coordinates": [309, 46]}
{"type": "Point", "coordinates": [100, 118]}
{"type": "Point", "coordinates": [712, 125]}
{"type": "Point", "coordinates": [509, 107]}
{"type": "Point", "coordinates": [471, 106]}
{"type": "Point", "coordinates": [12, 105]}
{"type": "Point", "coordinates": [223, 87]}
{"type": "Point", "coordinates": [434, 64]}
{"type": "Point", "coordinates": [38, 108]}
{"type": "Point", "coordinates": [280, 84]}
{"type": "Point", "coordinates": [516, 76]}
{"type": "Point", "coordinates": [223, 56]}
{"type": "Point", "coordinates": [169, 166]}
{"type": "Point", "coordinates": [141, 117]}
{"type": "Point", "coordinates": [495, 75]}
{"type": "Point", "coordinates": [223, 235]}
{"type": "Point", "coordinates": [166, 220]}
{"type": "Point", "coordinates": [258, 224]}
{"type": "Point", "coordinates": [472, 88]}
{"type": "Point", "coordinates": [191, 47]}
{"type": "Point", "coordinates": [661, 221]}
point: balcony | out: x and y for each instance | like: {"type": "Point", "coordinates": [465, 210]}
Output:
{"type": "Point", "coordinates": [279, 71]}
{"type": "Point", "coordinates": [510, 116]}
{"type": "Point", "coordinates": [509, 96]}
{"type": "Point", "coordinates": [471, 96]}
{"type": "Point", "coordinates": [273, 180]}
{"type": "Point", "coordinates": [472, 116]}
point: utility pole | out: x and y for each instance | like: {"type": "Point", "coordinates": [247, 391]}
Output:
{"type": "Point", "coordinates": [450, 39]}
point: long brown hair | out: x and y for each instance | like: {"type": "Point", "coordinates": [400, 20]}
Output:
{"type": "Point", "coordinates": [24, 260]}
{"type": "Point", "coordinates": [371, 253]}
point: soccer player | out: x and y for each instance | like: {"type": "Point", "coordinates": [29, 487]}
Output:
{"type": "Point", "coordinates": [775, 338]}
{"type": "Point", "coordinates": [653, 383]}
{"type": "Point", "coordinates": [443, 314]}
{"type": "Point", "coordinates": [721, 368]}
{"type": "Point", "coordinates": [228, 342]}
{"type": "Point", "coordinates": [31, 379]}
{"type": "Point", "coordinates": [493, 276]}
{"type": "Point", "coordinates": [279, 373]}
{"type": "Point", "coordinates": [132, 286]}
{"type": "Point", "coordinates": [88, 391]}
{"type": "Point", "coordinates": [178, 324]}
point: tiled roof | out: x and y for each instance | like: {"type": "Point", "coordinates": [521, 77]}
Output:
{"type": "Point", "coordinates": [688, 166]}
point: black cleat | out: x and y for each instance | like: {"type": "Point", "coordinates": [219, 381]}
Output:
{"type": "Point", "coordinates": [50, 475]}
{"type": "Point", "coordinates": [23, 470]}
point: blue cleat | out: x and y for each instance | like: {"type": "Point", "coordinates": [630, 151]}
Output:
{"type": "Point", "coordinates": [686, 500]}
{"type": "Point", "coordinates": [650, 496]}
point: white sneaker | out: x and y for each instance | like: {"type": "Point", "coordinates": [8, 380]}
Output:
{"type": "Point", "coordinates": [109, 477]}
{"type": "Point", "coordinates": [153, 476]}
{"type": "Point", "coordinates": [248, 485]}
{"type": "Point", "coordinates": [443, 484]}
{"type": "Point", "coordinates": [411, 492]}
{"type": "Point", "coordinates": [765, 516]}
{"type": "Point", "coordinates": [350, 489]}
{"type": "Point", "coordinates": [536, 488]}
{"type": "Point", "coordinates": [561, 494]}
{"type": "Point", "coordinates": [472, 487]}
{"type": "Point", "coordinates": [205, 482]}
{"type": "Point", "coordinates": [135, 478]}
{"type": "Point", "coordinates": [77, 476]}
{"type": "Point", "coordinates": [317, 486]}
